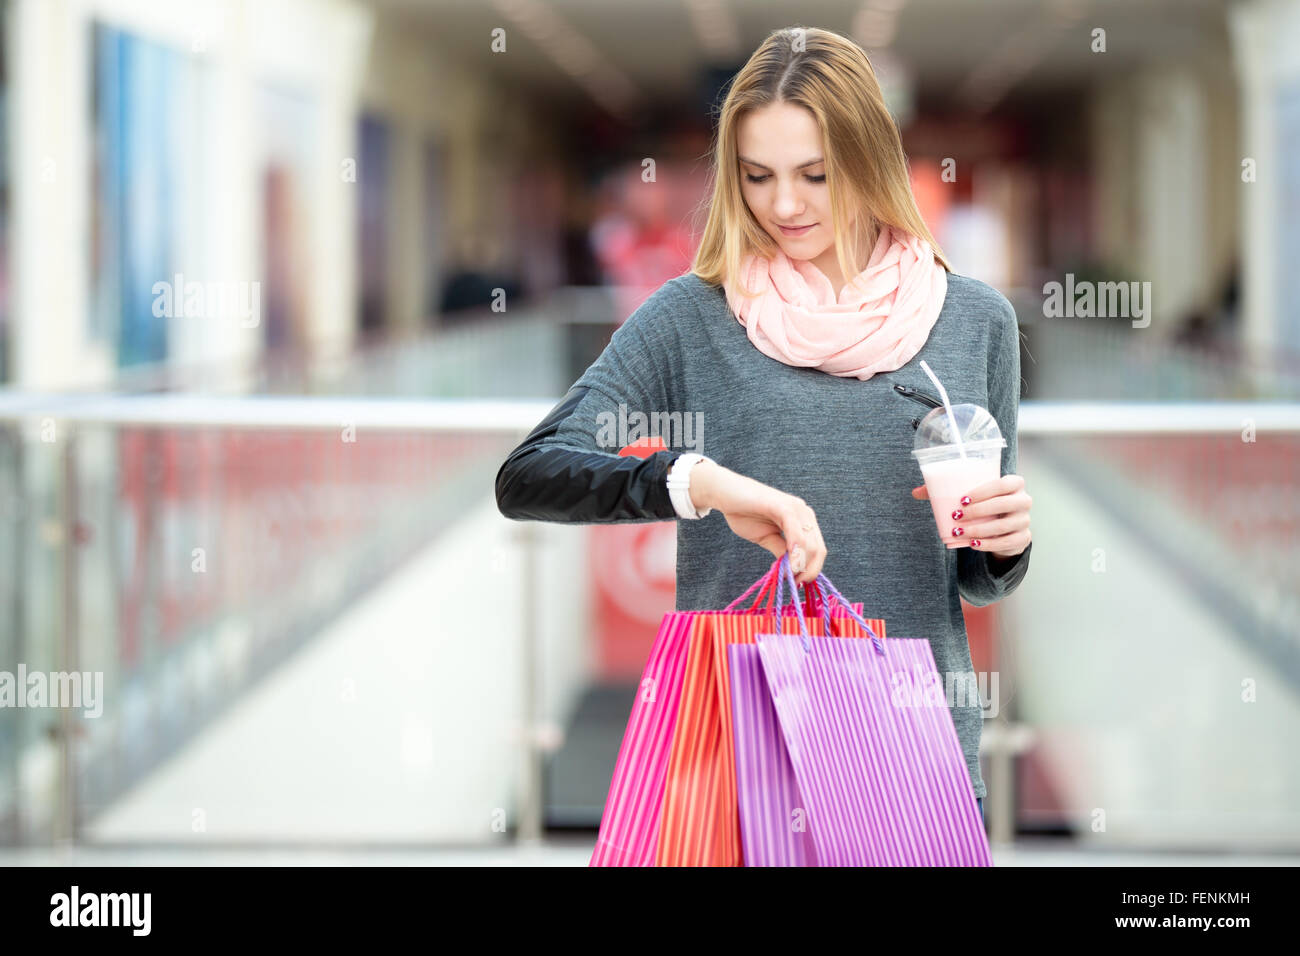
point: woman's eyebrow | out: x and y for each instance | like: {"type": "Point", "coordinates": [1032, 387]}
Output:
{"type": "Point", "coordinates": [750, 162]}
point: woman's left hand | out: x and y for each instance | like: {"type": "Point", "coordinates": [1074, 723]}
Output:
{"type": "Point", "coordinates": [994, 516]}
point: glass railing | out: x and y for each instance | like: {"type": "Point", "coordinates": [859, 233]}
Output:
{"type": "Point", "coordinates": [179, 554]}
{"type": "Point", "coordinates": [1150, 660]}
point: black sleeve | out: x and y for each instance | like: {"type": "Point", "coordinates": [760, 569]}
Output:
{"type": "Point", "coordinates": [568, 468]}
{"type": "Point", "coordinates": [560, 472]}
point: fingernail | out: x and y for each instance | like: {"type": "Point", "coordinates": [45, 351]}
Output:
{"type": "Point", "coordinates": [975, 542]}
{"type": "Point", "coordinates": [965, 499]}
{"type": "Point", "coordinates": [956, 515]}
{"type": "Point", "coordinates": [956, 532]}
{"type": "Point", "coordinates": [796, 560]}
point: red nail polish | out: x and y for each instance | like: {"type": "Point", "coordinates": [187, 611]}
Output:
{"type": "Point", "coordinates": [956, 515]}
{"type": "Point", "coordinates": [956, 532]}
{"type": "Point", "coordinates": [975, 542]}
{"type": "Point", "coordinates": [965, 499]}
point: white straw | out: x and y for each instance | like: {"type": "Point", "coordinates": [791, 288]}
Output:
{"type": "Point", "coordinates": [943, 393]}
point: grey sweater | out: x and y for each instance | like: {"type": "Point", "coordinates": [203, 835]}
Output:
{"type": "Point", "coordinates": [841, 444]}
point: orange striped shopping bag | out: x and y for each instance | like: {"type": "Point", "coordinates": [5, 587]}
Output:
{"type": "Point", "coordinates": [700, 820]}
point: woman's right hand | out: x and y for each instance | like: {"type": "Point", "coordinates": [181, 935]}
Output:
{"type": "Point", "coordinates": [757, 512]}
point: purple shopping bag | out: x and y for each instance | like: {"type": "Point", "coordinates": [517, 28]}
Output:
{"type": "Point", "coordinates": [773, 818]}
{"type": "Point", "coordinates": [878, 764]}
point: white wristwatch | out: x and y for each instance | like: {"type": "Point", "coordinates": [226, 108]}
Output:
{"type": "Point", "coordinates": [679, 485]}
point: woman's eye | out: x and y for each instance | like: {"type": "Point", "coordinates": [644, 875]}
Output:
{"type": "Point", "coordinates": [759, 179]}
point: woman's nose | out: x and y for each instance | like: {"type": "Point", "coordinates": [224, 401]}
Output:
{"type": "Point", "coordinates": [787, 203]}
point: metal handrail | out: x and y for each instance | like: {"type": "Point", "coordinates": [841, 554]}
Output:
{"type": "Point", "coordinates": [494, 415]}
{"type": "Point", "coordinates": [275, 411]}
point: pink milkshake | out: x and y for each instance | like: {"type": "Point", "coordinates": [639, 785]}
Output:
{"type": "Point", "coordinates": [949, 480]}
{"type": "Point", "coordinates": [958, 448]}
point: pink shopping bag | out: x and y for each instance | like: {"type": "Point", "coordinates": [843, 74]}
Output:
{"type": "Point", "coordinates": [629, 824]}
{"type": "Point", "coordinates": [874, 750]}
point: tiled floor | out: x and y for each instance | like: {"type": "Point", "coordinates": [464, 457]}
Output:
{"type": "Point", "coordinates": [557, 852]}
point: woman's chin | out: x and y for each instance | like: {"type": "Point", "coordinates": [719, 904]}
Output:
{"type": "Point", "coordinates": [797, 250]}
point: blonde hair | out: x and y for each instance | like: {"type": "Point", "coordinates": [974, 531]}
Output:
{"type": "Point", "coordinates": [830, 76]}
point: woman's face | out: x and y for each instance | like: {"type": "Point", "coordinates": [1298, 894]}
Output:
{"type": "Point", "coordinates": [779, 145]}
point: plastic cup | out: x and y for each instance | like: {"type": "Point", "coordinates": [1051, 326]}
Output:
{"type": "Point", "coordinates": [952, 470]}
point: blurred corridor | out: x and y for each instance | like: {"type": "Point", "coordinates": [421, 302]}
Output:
{"type": "Point", "coordinates": [283, 282]}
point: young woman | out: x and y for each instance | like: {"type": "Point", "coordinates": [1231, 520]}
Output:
{"type": "Point", "coordinates": [815, 290]}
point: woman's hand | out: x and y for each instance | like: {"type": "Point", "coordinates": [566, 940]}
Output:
{"type": "Point", "coordinates": [994, 516]}
{"type": "Point", "coordinates": [757, 512]}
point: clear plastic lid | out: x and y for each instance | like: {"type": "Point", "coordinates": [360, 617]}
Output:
{"type": "Point", "coordinates": [977, 429]}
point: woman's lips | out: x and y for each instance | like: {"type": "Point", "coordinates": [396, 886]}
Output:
{"type": "Point", "coordinates": [795, 232]}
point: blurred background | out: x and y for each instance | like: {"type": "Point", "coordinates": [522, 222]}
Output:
{"type": "Point", "coordinates": [283, 281]}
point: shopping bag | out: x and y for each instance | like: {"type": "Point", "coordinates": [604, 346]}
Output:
{"type": "Point", "coordinates": [835, 620]}
{"type": "Point", "coordinates": [773, 818]}
{"type": "Point", "coordinates": [873, 748]}
{"type": "Point", "coordinates": [773, 814]}
{"type": "Point", "coordinates": [629, 825]}
{"type": "Point", "coordinates": [700, 824]}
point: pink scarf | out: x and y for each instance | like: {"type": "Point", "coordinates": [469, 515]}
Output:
{"type": "Point", "coordinates": [880, 322]}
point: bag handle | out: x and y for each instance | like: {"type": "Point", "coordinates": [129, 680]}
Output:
{"type": "Point", "coordinates": [786, 575]}
{"type": "Point", "coordinates": [767, 581]}
{"type": "Point", "coordinates": [823, 583]}
{"type": "Point", "coordinates": [813, 599]}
